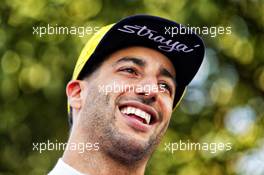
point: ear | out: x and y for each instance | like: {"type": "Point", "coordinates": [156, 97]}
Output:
{"type": "Point", "coordinates": [73, 91]}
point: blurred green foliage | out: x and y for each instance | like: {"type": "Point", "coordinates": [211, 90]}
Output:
{"type": "Point", "coordinates": [225, 103]}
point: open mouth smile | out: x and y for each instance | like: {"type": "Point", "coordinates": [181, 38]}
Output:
{"type": "Point", "coordinates": [139, 116]}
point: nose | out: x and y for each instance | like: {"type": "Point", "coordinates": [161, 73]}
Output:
{"type": "Point", "coordinates": [148, 89]}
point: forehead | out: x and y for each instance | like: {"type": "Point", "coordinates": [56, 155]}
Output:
{"type": "Point", "coordinates": [151, 57]}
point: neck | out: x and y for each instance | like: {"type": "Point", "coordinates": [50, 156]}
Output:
{"type": "Point", "coordinates": [97, 162]}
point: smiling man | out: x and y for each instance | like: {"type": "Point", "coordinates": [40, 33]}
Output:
{"type": "Point", "coordinates": [124, 125]}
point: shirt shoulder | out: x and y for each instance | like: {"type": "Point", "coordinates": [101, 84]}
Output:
{"type": "Point", "coordinates": [61, 168]}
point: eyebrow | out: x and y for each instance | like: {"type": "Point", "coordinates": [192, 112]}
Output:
{"type": "Point", "coordinates": [136, 61]}
{"type": "Point", "coordinates": [166, 73]}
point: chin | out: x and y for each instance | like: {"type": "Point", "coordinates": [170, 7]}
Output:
{"type": "Point", "coordinates": [126, 147]}
{"type": "Point", "coordinates": [128, 150]}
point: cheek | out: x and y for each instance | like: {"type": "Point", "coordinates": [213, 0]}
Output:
{"type": "Point", "coordinates": [112, 89]}
{"type": "Point", "coordinates": [166, 104]}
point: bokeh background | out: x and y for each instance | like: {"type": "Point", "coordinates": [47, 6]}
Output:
{"type": "Point", "coordinates": [225, 102]}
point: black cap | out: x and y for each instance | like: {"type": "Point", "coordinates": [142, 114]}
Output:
{"type": "Point", "coordinates": [185, 51]}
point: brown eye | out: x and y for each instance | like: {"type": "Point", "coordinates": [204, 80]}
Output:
{"type": "Point", "coordinates": [129, 70]}
{"type": "Point", "coordinates": [165, 87]}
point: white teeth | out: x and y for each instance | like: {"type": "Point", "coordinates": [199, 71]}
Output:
{"type": "Point", "coordinates": [133, 110]}
{"type": "Point", "coordinates": [139, 113]}
{"type": "Point", "coordinates": [136, 111]}
{"type": "Point", "coordinates": [128, 110]}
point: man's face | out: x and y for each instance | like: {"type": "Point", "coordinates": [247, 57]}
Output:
{"type": "Point", "coordinates": [128, 102]}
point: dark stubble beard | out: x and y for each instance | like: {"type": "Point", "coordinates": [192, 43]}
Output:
{"type": "Point", "coordinates": [98, 120]}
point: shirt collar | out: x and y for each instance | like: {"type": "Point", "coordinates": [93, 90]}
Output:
{"type": "Point", "coordinates": [65, 169]}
